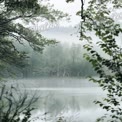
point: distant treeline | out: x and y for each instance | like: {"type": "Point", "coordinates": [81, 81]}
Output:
{"type": "Point", "coordinates": [60, 60]}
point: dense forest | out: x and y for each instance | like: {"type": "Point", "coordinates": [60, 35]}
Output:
{"type": "Point", "coordinates": [59, 60]}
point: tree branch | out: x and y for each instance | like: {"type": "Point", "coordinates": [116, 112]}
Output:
{"type": "Point", "coordinates": [82, 9]}
{"type": "Point", "coordinates": [15, 18]}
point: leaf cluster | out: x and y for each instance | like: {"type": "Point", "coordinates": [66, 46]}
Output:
{"type": "Point", "coordinates": [15, 15]}
{"type": "Point", "coordinates": [108, 67]}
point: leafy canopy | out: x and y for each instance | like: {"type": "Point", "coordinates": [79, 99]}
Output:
{"type": "Point", "coordinates": [96, 21]}
{"type": "Point", "coordinates": [15, 15]}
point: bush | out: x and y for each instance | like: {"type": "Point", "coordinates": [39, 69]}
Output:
{"type": "Point", "coordinates": [15, 106]}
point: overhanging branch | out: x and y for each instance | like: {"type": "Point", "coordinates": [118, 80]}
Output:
{"type": "Point", "coordinates": [82, 9]}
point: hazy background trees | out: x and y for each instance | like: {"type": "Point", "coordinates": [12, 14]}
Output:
{"type": "Point", "coordinates": [59, 60]}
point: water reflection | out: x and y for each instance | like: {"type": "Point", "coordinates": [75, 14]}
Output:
{"type": "Point", "coordinates": [72, 102]}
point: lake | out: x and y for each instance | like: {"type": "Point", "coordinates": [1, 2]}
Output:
{"type": "Point", "coordinates": [64, 99]}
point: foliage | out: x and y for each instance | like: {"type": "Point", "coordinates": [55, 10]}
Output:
{"type": "Point", "coordinates": [69, 63]}
{"type": "Point", "coordinates": [69, 1]}
{"type": "Point", "coordinates": [15, 106]}
{"type": "Point", "coordinates": [97, 20]}
{"type": "Point", "coordinates": [15, 18]}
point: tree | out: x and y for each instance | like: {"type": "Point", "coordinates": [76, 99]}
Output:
{"type": "Point", "coordinates": [96, 19]}
{"type": "Point", "coordinates": [15, 15]}
{"type": "Point", "coordinates": [14, 104]}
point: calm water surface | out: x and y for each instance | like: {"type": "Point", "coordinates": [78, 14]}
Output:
{"type": "Point", "coordinates": [66, 99]}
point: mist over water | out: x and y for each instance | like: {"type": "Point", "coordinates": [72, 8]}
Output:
{"type": "Point", "coordinates": [69, 99]}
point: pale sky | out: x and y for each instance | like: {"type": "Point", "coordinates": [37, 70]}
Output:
{"type": "Point", "coordinates": [70, 8]}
